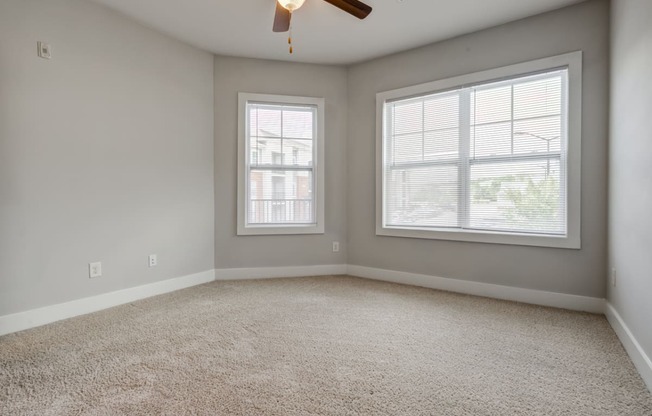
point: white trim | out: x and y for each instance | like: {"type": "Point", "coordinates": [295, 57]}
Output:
{"type": "Point", "coordinates": [279, 272]}
{"type": "Point", "coordinates": [48, 314]}
{"type": "Point", "coordinates": [318, 166]}
{"type": "Point", "coordinates": [640, 359]}
{"type": "Point", "coordinates": [41, 316]}
{"type": "Point", "coordinates": [535, 297]}
{"type": "Point", "coordinates": [573, 61]}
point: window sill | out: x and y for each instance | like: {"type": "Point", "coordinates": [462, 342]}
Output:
{"type": "Point", "coordinates": [282, 230]}
{"type": "Point", "coordinates": [489, 237]}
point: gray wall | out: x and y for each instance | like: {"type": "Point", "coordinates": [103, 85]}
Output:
{"type": "Point", "coordinates": [233, 75]}
{"type": "Point", "coordinates": [124, 144]}
{"type": "Point", "coordinates": [630, 196]}
{"type": "Point", "coordinates": [581, 27]}
{"type": "Point", "coordinates": [106, 154]}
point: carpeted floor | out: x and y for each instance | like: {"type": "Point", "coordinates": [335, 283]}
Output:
{"type": "Point", "coordinates": [320, 346]}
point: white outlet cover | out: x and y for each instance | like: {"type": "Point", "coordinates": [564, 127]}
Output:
{"type": "Point", "coordinates": [153, 261]}
{"type": "Point", "coordinates": [44, 50]}
{"type": "Point", "coordinates": [95, 269]}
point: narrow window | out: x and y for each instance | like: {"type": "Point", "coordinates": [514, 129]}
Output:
{"type": "Point", "coordinates": [281, 165]}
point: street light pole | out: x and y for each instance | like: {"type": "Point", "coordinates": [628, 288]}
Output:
{"type": "Point", "coordinates": [536, 136]}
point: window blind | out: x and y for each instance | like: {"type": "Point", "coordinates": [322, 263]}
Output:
{"type": "Point", "coordinates": [490, 156]}
{"type": "Point", "coordinates": [280, 165]}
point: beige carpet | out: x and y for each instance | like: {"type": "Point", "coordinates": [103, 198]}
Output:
{"type": "Point", "coordinates": [320, 346]}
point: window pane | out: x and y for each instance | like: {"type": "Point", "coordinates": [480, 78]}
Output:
{"type": "Point", "coordinates": [268, 120]}
{"type": "Point", "coordinates": [264, 121]}
{"type": "Point", "coordinates": [297, 152]}
{"type": "Point", "coordinates": [441, 144]}
{"type": "Point", "coordinates": [517, 117]}
{"type": "Point", "coordinates": [408, 148]}
{"type": "Point", "coordinates": [422, 197]}
{"type": "Point", "coordinates": [441, 112]}
{"type": "Point", "coordinates": [281, 152]}
{"type": "Point", "coordinates": [298, 123]}
{"type": "Point", "coordinates": [424, 128]}
{"type": "Point", "coordinates": [538, 98]}
{"type": "Point", "coordinates": [537, 135]}
{"type": "Point", "coordinates": [520, 196]}
{"type": "Point", "coordinates": [280, 197]}
{"type": "Point", "coordinates": [407, 117]}
{"type": "Point", "coordinates": [266, 152]}
{"type": "Point", "coordinates": [491, 105]}
{"type": "Point", "coordinates": [491, 140]}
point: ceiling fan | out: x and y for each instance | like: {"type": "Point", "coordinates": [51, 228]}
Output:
{"type": "Point", "coordinates": [284, 9]}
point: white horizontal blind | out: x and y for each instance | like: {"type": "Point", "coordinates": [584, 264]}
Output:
{"type": "Point", "coordinates": [422, 160]}
{"type": "Point", "coordinates": [491, 156]}
{"type": "Point", "coordinates": [280, 164]}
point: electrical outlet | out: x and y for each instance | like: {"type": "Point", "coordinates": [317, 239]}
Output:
{"type": "Point", "coordinates": [44, 50]}
{"type": "Point", "coordinates": [94, 269]}
{"type": "Point", "coordinates": [613, 276]}
{"type": "Point", "coordinates": [336, 246]}
{"type": "Point", "coordinates": [153, 261]}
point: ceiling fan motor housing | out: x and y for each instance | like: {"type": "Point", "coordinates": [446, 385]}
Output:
{"type": "Point", "coordinates": [291, 5]}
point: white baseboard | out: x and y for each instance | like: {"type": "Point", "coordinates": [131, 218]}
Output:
{"type": "Point", "coordinates": [536, 297]}
{"type": "Point", "coordinates": [640, 359]}
{"type": "Point", "coordinates": [41, 316]}
{"type": "Point", "coordinates": [48, 314]}
{"type": "Point", "coordinates": [274, 272]}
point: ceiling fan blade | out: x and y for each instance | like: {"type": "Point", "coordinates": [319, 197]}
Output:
{"type": "Point", "coordinates": [354, 7]}
{"type": "Point", "coordinates": [281, 19]}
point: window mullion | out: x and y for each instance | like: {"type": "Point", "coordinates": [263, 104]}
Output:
{"type": "Point", "coordinates": [247, 158]}
{"type": "Point", "coordinates": [563, 142]}
{"type": "Point", "coordinates": [423, 130]}
{"type": "Point", "coordinates": [389, 136]}
{"type": "Point", "coordinates": [315, 161]}
{"type": "Point", "coordinates": [282, 137]}
{"type": "Point", "coordinates": [511, 121]}
{"type": "Point", "coordinates": [464, 152]}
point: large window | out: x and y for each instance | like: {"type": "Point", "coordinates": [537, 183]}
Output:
{"type": "Point", "coordinates": [491, 156]}
{"type": "Point", "coordinates": [280, 181]}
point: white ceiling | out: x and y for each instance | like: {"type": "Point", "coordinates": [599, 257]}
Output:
{"type": "Point", "coordinates": [321, 32]}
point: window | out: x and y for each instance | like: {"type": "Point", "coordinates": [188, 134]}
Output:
{"type": "Point", "coordinates": [280, 169]}
{"type": "Point", "coordinates": [489, 157]}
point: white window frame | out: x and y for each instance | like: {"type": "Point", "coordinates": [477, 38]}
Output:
{"type": "Point", "coordinates": [572, 239]}
{"type": "Point", "coordinates": [244, 228]}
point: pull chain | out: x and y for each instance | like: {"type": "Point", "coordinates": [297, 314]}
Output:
{"type": "Point", "coordinates": [290, 38]}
